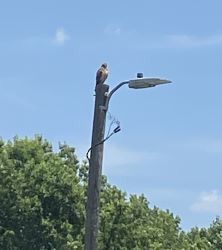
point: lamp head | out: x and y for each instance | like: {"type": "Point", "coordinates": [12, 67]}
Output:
{"type": "Point", "coordinates": [140, 83]}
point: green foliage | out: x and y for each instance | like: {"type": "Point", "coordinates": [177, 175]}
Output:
{"type": "Point", "coordinates": [214, 234]}
{"type": "Point", "coordinates": [42, 206]}
{"type": "Point", "coordinates": [131, 224]}
{"type": "Point", "coordinates": [197, 239]}
{"type": "Point", "coordinates": [41, 197]}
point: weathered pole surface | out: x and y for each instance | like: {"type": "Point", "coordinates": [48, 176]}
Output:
{"type": "Point", "coordinates": [95, 168]}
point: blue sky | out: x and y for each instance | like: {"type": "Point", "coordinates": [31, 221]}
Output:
{"type": "Point", "coordinates": [170, 146]}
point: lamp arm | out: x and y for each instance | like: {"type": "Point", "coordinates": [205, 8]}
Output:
{"type": "Point", "coordinates": [109, 95]}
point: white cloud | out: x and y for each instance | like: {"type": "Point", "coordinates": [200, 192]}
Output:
{"type": "Point", "coordinates": [112, 30]}
{"type": "Point", "coordinates": [210, 146]}
{"type": "Point", "coordinates": [208, 202]}
{"type": "Point", "coordinates": [187, 41]}
{"type": "Point", "coordinates": [116, 156]}
{"type": "Point", "coordinates": [61, 36]}
{"type": "Point", "coordinates": [214, 147]}
{"type": "Point", "coordinates": [178, 41]}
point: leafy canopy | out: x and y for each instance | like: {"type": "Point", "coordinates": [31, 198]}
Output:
{"type": "Point", "coordinates": [42, 206]}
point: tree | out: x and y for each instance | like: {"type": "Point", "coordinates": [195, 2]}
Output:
{"type": "Point", "coordinates": [214, 234]}
{"type": "Point", "coordinates": [43, 198]}
{"type": "Point", "coordinates": [198, 239]}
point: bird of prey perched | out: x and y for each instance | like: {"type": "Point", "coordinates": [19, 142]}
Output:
{"type": "Point", "coordinates": [102, 74]}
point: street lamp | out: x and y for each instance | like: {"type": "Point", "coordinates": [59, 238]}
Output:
{"type": "Point", "coordinates": [146, 82]}
{"type": "Point", "coordinates": [138, 83]}
{"type": "Point", "coordinates": [96, 152]}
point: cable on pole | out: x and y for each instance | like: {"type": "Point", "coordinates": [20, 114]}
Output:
{"type": "Point", "coordinates": [115, 130]}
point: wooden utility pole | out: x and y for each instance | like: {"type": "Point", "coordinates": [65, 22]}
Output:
{"type": "Point", "coordinates": [96, 157]}
{"type": "Point", "coordinates": [95, 168]}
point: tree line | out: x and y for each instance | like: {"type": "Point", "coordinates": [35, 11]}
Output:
{"type": "Point", "coordinates": [43, 199]}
